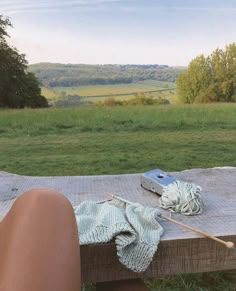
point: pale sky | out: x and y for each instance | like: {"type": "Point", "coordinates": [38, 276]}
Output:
{"type": "Point", "coordinates": [120, 31]}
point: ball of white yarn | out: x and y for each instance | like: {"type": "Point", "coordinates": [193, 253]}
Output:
{"type": "Point", "coordinates": [182, 197]}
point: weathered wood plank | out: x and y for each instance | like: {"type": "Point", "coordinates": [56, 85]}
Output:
{"type": "Point", "coordinates": [180, 250]}
{"type": "Point", "coordinates": [100, 263]}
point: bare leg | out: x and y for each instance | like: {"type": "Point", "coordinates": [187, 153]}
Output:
{"type": "Point", "coordinates": [126, 285]}
{"type": "Point", "coordinates": [39, 245]}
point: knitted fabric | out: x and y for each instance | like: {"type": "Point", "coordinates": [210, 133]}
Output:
{"type": "Point", "coordinates": [135, 229]}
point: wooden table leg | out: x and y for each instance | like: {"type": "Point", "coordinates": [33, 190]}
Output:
{"type": "Point", "coordinates": [124, 285]}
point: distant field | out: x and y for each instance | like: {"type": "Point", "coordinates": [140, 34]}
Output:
{"type": "Point", "coordinates": [50, 94]}
{"type": "Point", "coordinates": [121, 92]}
{"type": "Point", "coordinates": [100, 90]}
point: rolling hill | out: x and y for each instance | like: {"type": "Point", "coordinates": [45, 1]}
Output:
{"type": "Point", "coordinates": [68, 75]}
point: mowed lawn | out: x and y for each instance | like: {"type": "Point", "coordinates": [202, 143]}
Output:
{"type": "Point", "coordinates": [94, 140]}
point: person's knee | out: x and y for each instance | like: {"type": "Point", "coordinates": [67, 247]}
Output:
{"type": "Point", "coordinates": [43, 200]}
{"type": "Point", "coordinates": [43, 195]}
{"type": "Point", "coordinates": [40, 205]}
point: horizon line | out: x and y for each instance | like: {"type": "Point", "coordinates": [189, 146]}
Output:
{"type": "Point", "coordinates": [106, 64]}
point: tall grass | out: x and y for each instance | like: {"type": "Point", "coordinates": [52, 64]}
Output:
{"type": "Point", "coordinates": [93, 140]}
{"type": "Point", "coordinates": [110, 119]}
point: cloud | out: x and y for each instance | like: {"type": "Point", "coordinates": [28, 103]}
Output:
{"type": "Point", "coordinates": [22, 6]}
{"type": "Point", "coordinates": [9, 7]}
{"type": "Point", "coordinates": [157, 8]}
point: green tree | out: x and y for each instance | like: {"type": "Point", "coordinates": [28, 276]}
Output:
{"type": "Point", "coordinates": [209, 79]}
{"type": "Point", "coordinates": [18, 88]}
{"type": "Point", "coordinates": [192, 82]}
{"type": "Point", "coordinates": [183, 88]}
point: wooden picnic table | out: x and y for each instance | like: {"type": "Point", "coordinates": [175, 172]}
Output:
{"type": "Point", "coordinates": [180, 250]}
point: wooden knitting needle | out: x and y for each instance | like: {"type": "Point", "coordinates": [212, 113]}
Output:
{"type": "Point", "coordinates": [228, 244]}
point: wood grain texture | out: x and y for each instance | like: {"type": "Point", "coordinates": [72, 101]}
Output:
{"type": "Point", "coordinates": [173, 257]}
{"type": "Point", "coordinates": [180, 250]}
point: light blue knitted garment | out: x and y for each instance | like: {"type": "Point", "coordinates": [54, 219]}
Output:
{"type": "Point", "coordinates": [135, 229]}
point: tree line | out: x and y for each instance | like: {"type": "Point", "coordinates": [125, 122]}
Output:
{"type": "Point", "coordinates": [18, 87]}
{"type": "Point", "coordinates": [209, 79]}
{"type": "Point", "coordinates": [67, 75]}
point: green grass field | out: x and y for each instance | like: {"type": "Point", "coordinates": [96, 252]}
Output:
{"type": "Point", "coordinates": [110, 140]}
{"type": "Point", "coordinates": [93, 140]}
